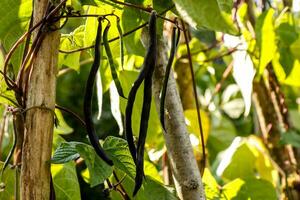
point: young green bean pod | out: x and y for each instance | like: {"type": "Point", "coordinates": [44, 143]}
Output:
{"type": "Point", "coordinates": [113, 69]}
{"type": "Point", "coordinates": [87, 108]}
{"type": "Point", "coordinates": [121, 42]}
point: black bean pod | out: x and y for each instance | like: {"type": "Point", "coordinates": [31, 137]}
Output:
{"type": "Point", "coordinates": [149, 65]}
{"type": "Point", "coordinates": [87, 108]}
{"type": "Point", "coordinates": [174, 43]}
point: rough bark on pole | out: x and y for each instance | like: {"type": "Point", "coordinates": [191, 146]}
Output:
{"type": "Point", "coordinates": [186, 173]}
{"type": "Point", "coordinates": [35, 171]}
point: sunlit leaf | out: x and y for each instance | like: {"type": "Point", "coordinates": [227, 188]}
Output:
{"type": "Point", "coordinates": [151, 170]}
{"type": "Point", "coordinates": [15, 16]}
{"type": "Point", "coordinates": [62, 126]}
{"type": "Point", "coordinates": [65, 181]}
{"type": "Point", "coordinates": [210, 185]}
{"type": "Point", "coordinates": [265, 35]}
{"type": "Point", "coordinates": [234, 164]}
{"type": "Point", "coordinates": [258, 163]}
{"type": "Point", "coordinates": [249, 189]}
{"type": "Point", "coordinates": [193, 125]}
{"type": "Point", "coordinates": [206, 14]}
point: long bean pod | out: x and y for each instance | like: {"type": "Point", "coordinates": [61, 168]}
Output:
{"type": "Point", "coordinates": [174, 44]}
{"type": "Point", "coordinates": [149, 65]}
{"type": "Point", "coordinates": [88, 100]}
{"type": "Point", "coordinates": [113, 69]}
{"type": "Point", "coordinates": [121, 43]}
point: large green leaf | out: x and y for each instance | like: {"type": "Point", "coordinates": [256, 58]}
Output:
{"type": "Point", "coordinates": [249, 189]}
{"type": "Point", "coordinates": [98, 169]}
{"type": "Point", "coordinates": [65, 181]}
{"type": "Point", "coordinates": [239, 166]}
{"type": "Point", "coordinates": [208, 14]}
{"type": "Point", "coordinates": [258, 163]}
{"type": "Point", "coordinates": [265, 35]}
{"type": "Point", "coordinates": [65, 152]}
{"type": "Point", "coordinates": [14, 20]}
{"type": "Point", "coordinates": [118, 151]}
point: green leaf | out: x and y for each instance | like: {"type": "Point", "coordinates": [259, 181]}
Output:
{"type": "Point", "coordinates": [8, 180]}
{"type": "Point", "coordinates": [287, 33]}
{"type": "Point", "coordinates": [130, 20]}
{"type": "Point", "coordinates": [210, 185]}
{"type": "Point", "coordinates": [207, 14]}
{"type": "Point", "coordinates": [151, 170]}
{"type": "Point", "coordinates": [153, 190]}
{"type": "Point", "coordinates": [291, 137]}
{"type": "Point", "coordinates": [295, 48]}
{"type": "Point", "coordinates": [150, 190]}
{"type": "Point", "coordinates": [118, 151]}
{"type": "Point", "coordinates": [63, 128]}
{"type": "Point", "coordinates": [258, 163]}
{"type": "Point", "coordinates": [239, 166]}
{"type": "Point", "coordinates": [72, 61]}
{"type": "Point", "coordinates": [65, 181]}
{"type": "Point", "coordinates": [71, 41]}
{"type": "Point", "coordinates": [221, 135]}
{"type": "Point", "coordinates": [15, 16]}
{"type": "Point", "coordinates": [65, 152]}
{"type": "Point", "coordinates": [265, 34]}
{"type": "Point", "coordinates": [98, 169]}
{"type": "Point", "coordinates": [293, 77]}
{"type": "Point", "coordinates": [193, 125]}
{"type": "Point", "coordinates": [286, 60]}
{"type": "Point", "coordinates": [225, 5]}
{"type": "Point", "coordinates": [249, 189]}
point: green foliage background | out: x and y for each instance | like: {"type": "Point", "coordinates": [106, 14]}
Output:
{"type": "Point", "coordinates": [239, 166]}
